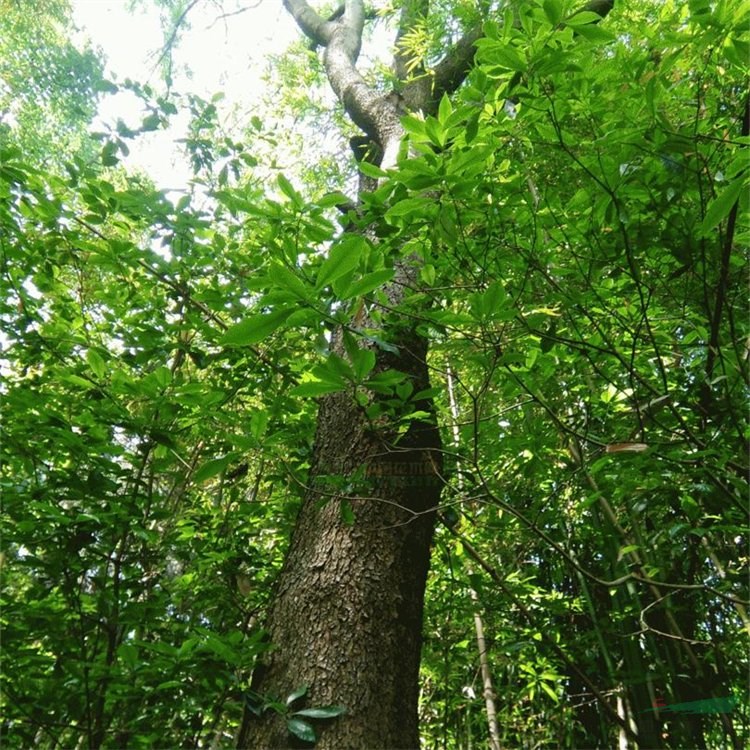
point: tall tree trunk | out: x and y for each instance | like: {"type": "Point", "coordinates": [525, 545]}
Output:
{"type": "Point", "coordinates": [346, 618]}
{"type": "Point", "coordinates": [347, 615]}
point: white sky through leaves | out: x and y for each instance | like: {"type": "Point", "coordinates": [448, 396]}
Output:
{"type": "Point", "coordinates": [214, 54]}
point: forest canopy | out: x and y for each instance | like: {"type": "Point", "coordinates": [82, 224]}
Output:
{"type": "Point", "coordinates": [435, 436]}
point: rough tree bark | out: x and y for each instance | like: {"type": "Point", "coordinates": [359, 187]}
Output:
{"type": "Point", "coordinates": [346, 618]}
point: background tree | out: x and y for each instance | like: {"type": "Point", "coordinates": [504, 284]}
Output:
{"type": "Point", "coordinates": [48, 84]}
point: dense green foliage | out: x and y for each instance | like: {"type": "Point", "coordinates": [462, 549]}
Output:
{"type": "Point", "coordinates": [579, 210]}
{"type": "Point", "coordinates": [601, 364]}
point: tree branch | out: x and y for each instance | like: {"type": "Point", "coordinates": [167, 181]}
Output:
{"type": "Point", "coordinates": [723, 284]}
{"type": "Point", "coordinates": [451, 71]}
{"type": "Point", "coordinates": [238, 12]}
{"type": "Point", "coordinates": [342, 38]}
{"type": "Point", "coordinates": [167, 48]}
{"type": "Point", "coordinates": [311, 24]}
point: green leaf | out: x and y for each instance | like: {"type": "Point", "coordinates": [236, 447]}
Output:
{"type": "Point", "coordinates": [404, 390]}
{"type": "Point", "coordinates": [427, 274]}
{"type": "Point", "coordinates": [78, 380]}
{"type": "Point", "coordinates": [626, 550]}
{"type": "Point", "coordinates": [386, 346]}
{"type": "Point", "coordinates": [258, 423]}
{"type": "Point", "coordinates": [288, 189]}
{"type": "Point", "coordinates": [413, 125]}
{"type": "Point", "coordinates": [128, 653]}
{"type": "Point", "coordinates": [151, 122]}
{"type": "Point", "coordinates": [301, 729]}
{"type": "Point", "coordinates": [334, 370]}
{"type": "Point", "coordinates": [168, 685]}
{"type": "Point", "coordinates": [304, 317]}
{"type": "Point", "coordinates": [313, 388]}
{"type": "Point", "coordinates": [162, 376]}
{"type": "Point", "coordinates": [295, 695]}
{"type": "Point", "coordinates": [583, 17]}
{"type": "Point", "coordinates": [211, 468]}
{"type": "Point", "coordinates": [699, 7]}
{"type": "Point", "coordinates": [362, 362]}
{"type": "Point", "coordinates": [324, 712]}
{"type": "Point", "coordinates": [370, 170]}
{"type": "Point", "coordinates": [336, 198]}
{"type": "Point", "coordinates": [472, 128]}
{"type": "Point", "coordinates": [436, 132]}
{"type": "Point", "coordinates": [548, 689]}
{"type": "Point", "coordinates": [255, 328]}
{"type": "Point", "coordinates": [367, 283]}
{"type": "Point", "coordinates": [286, 279]}
{"type": "Point", "coordinates": [188, 646]}
{"type": "Point", "coordinates": [343, 257]}
{"type": "Point", "coordinates": [427, 393]}
{"type": "Point", "coordinates": [347, 516]}
{"type": "Point", "coordinates": [720, 207]}
{"type": "Point", "coordinates": [342, 283]}
{"type": "Point", "coordinates": [445, 109]}
{"type": "Point", "coordinates": [108, 154]}
{"type": "Point", "coordinates": [407, 207]}
{"type": "Point", "coordinates": [96, 363]}
{"type": "Point", "coordinates": [492, 300]}
{"type": "Point", "coordinates": [509, 57]}
{"type": "Point", "coordinates": [214, 644]}
{"type": "Point", "coordinates": [388, 378]}
{"type": "Point", "coordinates": [553, 11]}
{"type": "Point", "coordinates": [106, 87]}
{"type": "Point", "coordinates": [595, 33]}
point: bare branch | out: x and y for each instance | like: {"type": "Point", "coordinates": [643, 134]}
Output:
{"type": "Point", "coordinates": [167, 48]}
{"type": "Point", "coordinates": [342, 39]}
{"type": "Point", "coordinates": [238, 12]}
{"type": "Point", "coordinates": [311, 24]}
{"type": "Point", "coordinates": [369, 110]}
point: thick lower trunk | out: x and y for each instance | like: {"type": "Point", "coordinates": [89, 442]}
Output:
{"type": "Point", "coordinates": [346, 620]}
